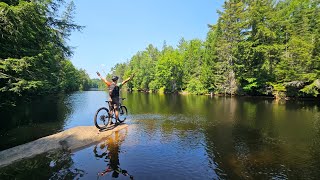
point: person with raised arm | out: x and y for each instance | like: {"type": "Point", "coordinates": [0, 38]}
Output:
{"type": "Point", "coordinates": [114, 91]}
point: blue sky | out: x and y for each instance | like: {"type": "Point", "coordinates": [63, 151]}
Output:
{"type": "Point", "coordinates": [117, 29]}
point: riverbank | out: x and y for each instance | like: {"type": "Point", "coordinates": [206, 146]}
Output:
{"type": "Point", "coordinates": [73, 139]}
{"type": "Point", "coordinates": [185, 93]}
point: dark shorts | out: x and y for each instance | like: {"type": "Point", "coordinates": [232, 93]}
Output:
{"type": "Point", "coordinates": [115, 103]}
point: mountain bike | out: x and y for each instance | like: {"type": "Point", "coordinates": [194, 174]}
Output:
{"type": "Point", "coordinates": [105, 116]}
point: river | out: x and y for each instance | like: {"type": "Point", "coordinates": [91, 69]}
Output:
{"type": "Point", "coordinates": [171, 137]}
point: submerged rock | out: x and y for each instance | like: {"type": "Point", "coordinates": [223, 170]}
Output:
{"type": "Point", "coordinates": [72, 140]}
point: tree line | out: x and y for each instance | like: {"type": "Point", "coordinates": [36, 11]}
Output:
{"type": "Point", "coordinates": [33, 49]}
{"type": "Point", "coordinates": [257, 47]}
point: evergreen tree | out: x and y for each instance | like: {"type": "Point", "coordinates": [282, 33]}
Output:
{"type": "Point", "coordinates": [33, 51]}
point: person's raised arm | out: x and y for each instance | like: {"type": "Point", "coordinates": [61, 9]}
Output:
{"type": "Point", "coordinates": [125, 81]}
{"type": "Point", "coordinates": [103, 79]}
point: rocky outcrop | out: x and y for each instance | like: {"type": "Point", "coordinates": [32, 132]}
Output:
{"type": "Point", "coordinates": [72, 139]}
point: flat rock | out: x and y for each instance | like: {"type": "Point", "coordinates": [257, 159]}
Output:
{"type": "Point", "coordinates": [71, 139]}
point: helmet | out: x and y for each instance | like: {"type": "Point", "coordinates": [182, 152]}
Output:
{"type": "Point", "coordinates": [115, 78]}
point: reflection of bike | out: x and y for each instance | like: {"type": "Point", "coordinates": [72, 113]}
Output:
{"type": "Point", "coordinates": [109, 151]}
{"type": "Point", "coordinates": [104, 116]}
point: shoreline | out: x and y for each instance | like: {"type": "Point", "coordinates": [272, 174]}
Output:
{"type": "Point", "coordinates": [185, 93]}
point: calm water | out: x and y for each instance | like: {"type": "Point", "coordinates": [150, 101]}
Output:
{"type": "Point", "coordinates": [171, 137]}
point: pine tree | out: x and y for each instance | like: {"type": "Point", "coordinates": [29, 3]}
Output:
{"type": "Point", "coordinates": [230, 25]}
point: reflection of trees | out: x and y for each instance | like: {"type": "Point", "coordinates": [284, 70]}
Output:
{"type": "Point", "coordinates": [53, 165]}
{"type": "Point", "coordinates": [109, 151]}
{"type": "Point", "coordinates": [237, 144]}
{"type": "Point", "coordinates": [31, 120]}
{"type": "Point", "coordinates": [266, 141]}
{"type": "Point", "coordinates": [244, 136]}
{"type": "Point", "coordinates": [143, 103]}
{"type": "Point", "coordinates": [183, 129]}
{"type": "Point", "coordinates": [240, 152]}
{"type": "Point", "coordinates": [315, 148]}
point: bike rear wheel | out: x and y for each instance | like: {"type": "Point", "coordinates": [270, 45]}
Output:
{"type": "Point", "coordinates": [123, 113]}
{"type": "Point", "coordinates": [101, 118]}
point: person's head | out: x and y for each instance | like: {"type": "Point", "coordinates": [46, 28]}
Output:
{"type": "Point", "coordinates": [115, 78]}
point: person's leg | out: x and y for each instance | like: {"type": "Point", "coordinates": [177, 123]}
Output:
{"type": "Point", "coordinates": [116, 106]}
{"type": "Point", "coordinates": [111, 108]}
{"type": "Point", "coordinates": [116, 103]}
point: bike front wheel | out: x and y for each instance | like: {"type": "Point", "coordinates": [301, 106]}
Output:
{"type": "Point", "coordinates": [123, 113]}
{"type": "Point", "coordinates": [101, 118]}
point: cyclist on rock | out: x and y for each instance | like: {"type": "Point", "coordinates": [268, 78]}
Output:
{"type": "Point", "coordinates": [114, 91]}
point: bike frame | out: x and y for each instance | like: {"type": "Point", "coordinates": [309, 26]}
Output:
{"type": "Point", "coordinates": [112, 109]}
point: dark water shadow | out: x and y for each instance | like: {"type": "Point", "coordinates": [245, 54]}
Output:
{"type": "Point", "coordinates": [32, 120]}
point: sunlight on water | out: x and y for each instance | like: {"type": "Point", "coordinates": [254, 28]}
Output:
{"type": "Point", "coordinates": [177, 137]}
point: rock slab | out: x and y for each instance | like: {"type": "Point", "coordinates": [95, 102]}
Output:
{"type": "Point", "coordinates": [71, 139]}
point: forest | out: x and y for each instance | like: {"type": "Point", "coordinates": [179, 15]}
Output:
{"type": "Point", "coordinates": [34, 55]}
{"type": "Point", "coordinates": [257, 48]}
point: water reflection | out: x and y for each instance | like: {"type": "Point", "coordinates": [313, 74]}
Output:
{"type": "Point", "coordinates": [109, 151]}
{"type": "Point", "coordinates": [52, 165]}
{"type": "Point", "coordinates": [266, 141]}
{"type": "Point", "coordinates": [198, 137]}
{"type": "Point", "coordinates": [31, 120]}
{"type": "Point", "coordinates": [47, 115]}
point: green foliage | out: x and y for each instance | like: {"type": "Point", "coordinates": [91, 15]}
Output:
{"type": "Point", "coordinates": [254, 45]}
{"type": "Point", "coordinates": [257, 47]}
{"type": "Point", "coordinates": [196, 87]}
{"type": "Point", "coordinates": [162, 90]}
{"type": "Point", "coordinates": [168, 70]}
{"type": "Point", "coordinates": [278, 87]}
{"type": "Point", "coordinates": [251, 85]}
{"type": "Point", "coordinates": [33, 52]}
{"type": "Point", "coordinates": [312, 89]}
{"type": "Point", "coordinates": [95, 83]}
{"type": "Point", "coordinates": [84, 80]}
{"type": "Point", "coordinates": [154, 85]}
